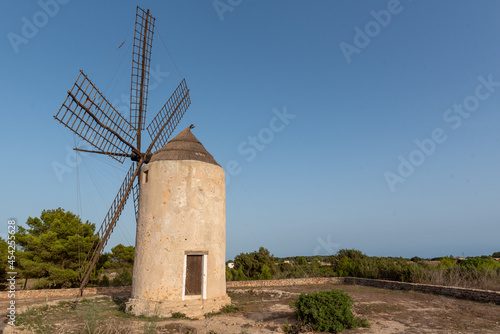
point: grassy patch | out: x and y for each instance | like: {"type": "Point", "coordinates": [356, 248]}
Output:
{"type": "Point", "coordinates": [229, 308]}
{"type": "Point", "coordinates": [35, 320]}
{"type": "Point", "coordinates": [95, 315]}
{"type": "Point", "coordinates": [150, 325]}
{"type": "Point", "coordinates": [178, 315]}
{"type": "Point", "coordinates": [225, 309]}
{"type": "Point", "coordinates": [211, 314]}
{"type": "Point", "coordinates": [379, 308]}
{"type": "Point", "coordinates": [291, 329]}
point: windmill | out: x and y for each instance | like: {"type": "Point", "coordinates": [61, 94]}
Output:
{"type": "Point", "coordinates": [88, 114]}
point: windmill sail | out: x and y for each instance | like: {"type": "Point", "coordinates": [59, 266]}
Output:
{"type": "Point", "coordinates": [87, 113]}
{"type": "Point", "coordinates": [108, 224]}
{"type": "Point", "coordinates": [141, 58]}
{"type": "Point", "coordinates": [164, 123]}
{"type": "Point", "coordinates": [135, 192]}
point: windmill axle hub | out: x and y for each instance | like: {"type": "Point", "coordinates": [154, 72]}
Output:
{"type": "Point", "coordinates": [137, 157]}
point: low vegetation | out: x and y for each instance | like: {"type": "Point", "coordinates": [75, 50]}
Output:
{"type": "Point", "coordinates": [225, 309]}
{"type": "Point", "coordinates": [328, 311]}
{"type": "Point", "coordinates": [85, 316]}
{"type": "Point", "coordinates": [178, 315]}
{"type": "Point", "coordinates": [477, 272]}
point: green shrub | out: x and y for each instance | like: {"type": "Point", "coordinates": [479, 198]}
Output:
{"type": "Point", "coordinates": [292, 329]}
{"type": "Point", "coordinates": [447, 262]}
{"type": "Point", "coordinates": [229, 274]}
{"type": "Point", "coordinates": [104, 281]}
{"type": "Point", "coordinates": [479, 263]}
{"type": "Point", "coordinates": [178, 315]}
{"type": "Point", "coordinates": [229, 308]}
{"type": "Point", "coordinates": [265, 273]}
{"type": "Point", "coordinates": [123, 279]}
{"type": "Point", "coordinates": [345, 267]}
{"type": "Point", "coordinates": [327, 311]}
{"type": "Point", "coordinates": [238, 275]}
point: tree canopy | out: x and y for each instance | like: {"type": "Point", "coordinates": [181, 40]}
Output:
{"type": "Point", "coordinates": [121, 256]}
{"type": "Point", "coordinates": [53, 248]}
{"type": "Point", "coordinates": [256, 265]}
{"type": "Point", "coordinates": [3, 260]}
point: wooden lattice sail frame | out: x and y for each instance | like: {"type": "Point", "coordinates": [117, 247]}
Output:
{"type": "Point", "coordinates": [91, 116]}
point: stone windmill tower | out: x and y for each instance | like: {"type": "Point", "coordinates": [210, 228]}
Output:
{"type": "Point", "coordinates": [180, 250]}
{"type": "Point", "coordinates": [178, 191]}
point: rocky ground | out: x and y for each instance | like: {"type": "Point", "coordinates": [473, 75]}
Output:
{"type": "Point", "coordinates": [266, 310]}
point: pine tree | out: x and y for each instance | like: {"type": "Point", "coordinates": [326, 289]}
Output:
{"type": "Point", "coordinates": [53, 248]}
{"type": "Point", "coordinates": [3, 259]}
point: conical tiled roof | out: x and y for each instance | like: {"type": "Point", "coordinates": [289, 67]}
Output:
{"type": "Point", "coordinates": [184, 146]}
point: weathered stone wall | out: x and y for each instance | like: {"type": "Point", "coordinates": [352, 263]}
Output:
{"type": "Point", "coordinates": [182, 209]}
{"type": "Point", "coordinates": [463, 293]}
{"type": "Point", "coordinates": [29, 294]}
{"type": "Point", "coordinates": [194, 308]}
{"type": "Point", "coordinates": [286, 282]}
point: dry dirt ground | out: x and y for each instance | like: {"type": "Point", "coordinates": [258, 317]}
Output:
{"type": "Point", "coordinates": [267, 310]}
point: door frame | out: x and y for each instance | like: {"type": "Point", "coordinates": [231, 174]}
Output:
{"type": "Point", "coordinates": [203, 270]}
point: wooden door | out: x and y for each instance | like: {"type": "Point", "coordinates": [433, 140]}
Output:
{"type": "Point", "coordinates": [193, 274]}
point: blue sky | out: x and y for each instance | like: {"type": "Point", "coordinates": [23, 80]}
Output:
{"type": "Point", "coordinates": [341, 124]}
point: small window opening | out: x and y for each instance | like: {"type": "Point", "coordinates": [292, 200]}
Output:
{"type": "Point", "coordinates": [145, 179]}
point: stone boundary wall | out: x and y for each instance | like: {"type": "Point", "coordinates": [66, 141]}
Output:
{"type": "Point", "coordinates": [75, 292]}
{"type": "Point", "coordinates": [285, 282]}
{"type": "Point", "coordinates": [486, 296]}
